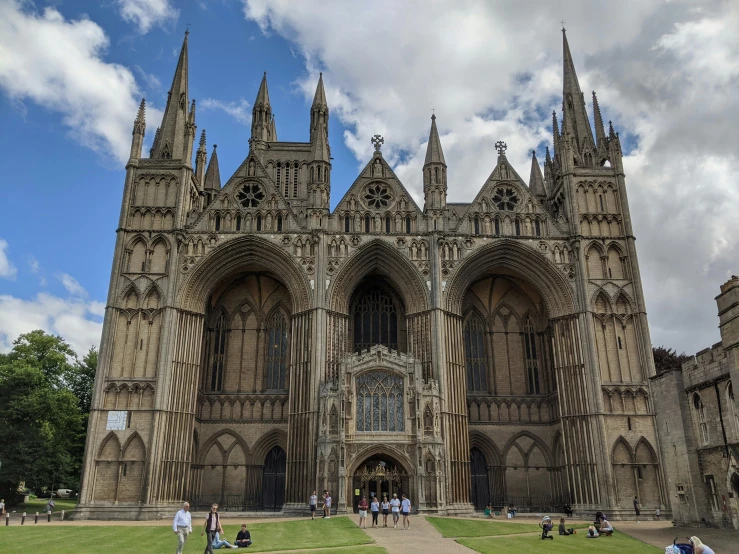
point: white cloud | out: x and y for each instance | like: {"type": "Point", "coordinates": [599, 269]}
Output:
{"type": "Point", "coordinates": [666, 73]}
{"type": "Point", "coordinates": [238, 110]}
{"type": "Point", "coordinates": [59, 64]}
{"type": "Point", "coordinates": [77, 321]}
{"type": "Point", "coordinates": [7, 269]}
{"type": "Point", "coordinates": [72, 285]}
{"type": "Point", "coordinates": [148, 13]}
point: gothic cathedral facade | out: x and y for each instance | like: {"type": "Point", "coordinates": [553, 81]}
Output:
{"type": "Point", "coordinates": [258, 345]}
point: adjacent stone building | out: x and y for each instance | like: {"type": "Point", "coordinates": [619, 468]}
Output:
{"type": "Point", "coordinates": [698, 420]}
{"type": "Point", "coordinates": [258, 345]}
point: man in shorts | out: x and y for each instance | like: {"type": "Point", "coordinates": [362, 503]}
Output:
{"type": "Point", "coordinates": [395, 508]}
{"type": "Point", "coordinates": [313, 502]}
{"type": "Point", "coordinates": [405, 508]}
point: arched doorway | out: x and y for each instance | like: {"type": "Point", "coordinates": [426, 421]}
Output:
{"type": "Point", "coordinates": [480, 489]}
{"type": "Point", "coordinates": [379, 475]}
{"type": "Point", "coordinates": [273, 480]}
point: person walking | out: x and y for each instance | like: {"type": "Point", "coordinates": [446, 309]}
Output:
{"type": "Point", "coordinates": [375, 509]}
{"type": "Point", "coordinates": [385, 510]}
{"type": "Point", "coordinates": [313, 502]}
{"type": "Point", "coordinates": [327, 505]}
{"type": "Point", "coordinates": [212, 526]}
{"type": "Point", "coordinates": [395, 507]}
{"type": "Point", "coordinates": [636, 509]}
{"type": "Point", "coordinates": [2, 506]}
{"type": "Point", "coordinates": [363, 512]}
{"type": "Point", "coordinates": [406, 511]}
{"type": "Point", "coordinates": [182, 526]}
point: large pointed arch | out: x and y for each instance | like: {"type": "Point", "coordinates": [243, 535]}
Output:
{"type": "Point", "coordinates": [205, 448]}
{"type": "Point", "coordinates": [518, 259]}
{"type": "Point", "coordinates": [538, 441]}
{"type": "Point", "coordinates": [487, 446]}
{"type": "Point", "coordinates": [265, 443]}
{"type": "Point", "coordinates": [379, 258]}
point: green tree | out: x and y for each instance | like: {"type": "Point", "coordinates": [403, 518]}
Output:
{"type": "Point", "coordinates": [83, 378]}
{"type": "Point", "coordinates": [41, 424]}
{"type": "Point", "coordinates": [667, 359]}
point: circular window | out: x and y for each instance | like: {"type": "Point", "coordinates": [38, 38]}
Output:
{"type": "Point", "coordinates": [505, 198]}
{"type": "Point", "coordinates": [377, 196]}
{"type": "Point", "coordinates": [250, 195]}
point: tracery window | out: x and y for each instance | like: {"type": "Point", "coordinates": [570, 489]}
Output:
{"type": "Point", "coordinates": [474, 352]}
{"type": "Point", "coordinates": [532, 363]}
{"type": "Point", "coordinates": [505, 198]}
{"type": "Point", "coordinates": [380, 402]}
{"type": "Point", "coordinates": [218, 355]}
{"type": "Point", "coordinates": [377, 196]}
{"type": "Point", "coordinates": [698, 405]}
{"type": "Point", "coordinates": [276, 370]}
{"type": "Point", "coordinates": [250, 195]}
{"type": "Point", "coordinates": [375, 320]}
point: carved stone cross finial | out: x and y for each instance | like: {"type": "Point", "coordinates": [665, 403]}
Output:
{"type": "Point", "coordinates": [377, 141]}
{"type": "Point", "coordinates": [501, 147]}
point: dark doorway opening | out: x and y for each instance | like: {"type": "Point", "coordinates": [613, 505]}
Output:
{"type": "Point", "coordinates": [480, 489]}
{"type": "Point", "coordinates": [380, 476]}
{"type": "Point", "coordinates": [273, 480]}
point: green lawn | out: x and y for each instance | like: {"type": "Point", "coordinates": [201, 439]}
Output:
{"type": "Point", "coordinates": [451, 527]}
{"type": "Point", "coordinates": [132, 539]}
{"type": "Point", "coordinates": [38, 504]}
{"type": "Point", "coordinates": [619, 543]}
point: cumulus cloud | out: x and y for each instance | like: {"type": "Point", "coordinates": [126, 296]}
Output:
{"type": "Point", "coordinates": [238, 110]}
{"type": "Point", "coordinates": [79, 322]}
{"type": "Point", "coordinates": [59, 64]}
{"type": "Point", "coordinates": [7, 269]}
{"type": "Point", "coordinates": [665, 73]}
{"type": "Point", "coordinates": [72, 285]}
{"type": "Point", "coordinates": [146, 14]}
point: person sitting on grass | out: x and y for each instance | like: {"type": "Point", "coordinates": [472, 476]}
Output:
{"type": "Point", "coordinates": [489, 510]}
{"type": "Point", "coordinates": [592, 533]}
{"type": "Point", "coordinates": [605, 527]}
{"type": "Point", "coordinates": [563, 530]}
{"type": "Point", "coordinates": [218, 543]}
{"type": "Point", "coordinates": [243, 539]}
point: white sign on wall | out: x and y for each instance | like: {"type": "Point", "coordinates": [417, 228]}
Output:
{"type": "Point", "coordinates": [117, 420]}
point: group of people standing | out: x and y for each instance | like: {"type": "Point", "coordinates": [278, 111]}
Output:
{"type": "Point", "coordinates": [395, 506]}
{"type": "Point", "coordinates": [182, 526]}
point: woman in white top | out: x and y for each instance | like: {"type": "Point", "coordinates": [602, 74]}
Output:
{"type": "Point", "coordinates": [385, 510]}
{"type": "Point", "coordinates": [406, 510]}
{"type": "Point", "coordinates": [395, 507]}
{"type": "Point", "coordinates": [375, 509]}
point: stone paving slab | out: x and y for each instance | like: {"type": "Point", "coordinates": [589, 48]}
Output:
{"type": "Point", "coordinates": [662, 533]}
{"type": "Point", "coordinates": [421, 537]}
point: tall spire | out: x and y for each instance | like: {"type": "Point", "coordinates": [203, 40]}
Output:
{"type": "Point", "coordinates": [536, 181]}
{"type": "Point", "coordinates": [261, 120]}
{"type": "Point", "coordinates": [273, 130]}
{"type": "Point", "coordinates": [600, 131]}
{"type": "Point", "coordinates": [434, 153]}
{"type": "Point", "coordinates": [573, 103]}
{"type": "Point", "coordinates": [319, 112]}
{"type": "Point", "coordinates": [213, 175]}
{"type": "Point", "coordinates": [200, 159]}
{"type": "Point", "coordinates": [171, 140]}
{"type": "Point", "coordinates": [139, 130]}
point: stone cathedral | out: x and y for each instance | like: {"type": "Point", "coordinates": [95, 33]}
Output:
{"type": "Point", "coordinates": [258, 345]}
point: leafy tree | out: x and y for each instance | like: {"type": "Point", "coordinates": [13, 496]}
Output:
{"type": "Point", "coordinates": [83, 378]}
{"type": "Point", "coordinates": [666, 359]}
{"type": "Point", "coordinates": [42, 426]}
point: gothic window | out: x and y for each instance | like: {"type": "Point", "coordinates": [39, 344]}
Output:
{"type": "Point", "coordinates": [287, 179]}
{"type": "Point", "coordinates": [474, 351]}
{"type": "Point", "coordinates": [600, 197]}
{"type": "Point", "coordinates": [619, 343]}
{"type": "Point", "coordinates": [380, 402]}
{"type": "Point", "coordinates": [375, 320]}
{"type": "Point", "coordinates": [279, 223]}
{"type": "Point", "coordinates": [259, 222]}
{"type": "Point", "coordinates": [218, 354]}
{"type": "Point", "coordinates": [377, 196]}
{"type": "Point", "coordinates": [497, 226]}
{"type": "Point", "coordinates": [347, 223]}
{"type": "Point", "coordinates": [537, 227]}
{"type": "Point", "coordinates": [532, 363]}
{"type": "Point", "coordinates": [238, 222]}
{"type": "Point", "coordinates": [387, 224]}
{"type": "Point", "coordinates": [218, 222]}
{"type": "Point", "coordinates": [477, 225]}
{"type": "Point", "coordinates": [436, 174]}
{"type": "Point", "coordinates": [518, 227]}
{"type": "Point", "coordinates": [295, 180]}
{"type": "Point", "coordinates": [505, 198]}
{"type": "Point", "coordinates": [333, 421]}
{"type": "Point", "coordinates": [366, 223]}
{"type": "Point", "coordinates": [408, 224]}
{"type": "Point", "coordinates": [278, 175]}
{"type": "Point", "coordinates": [702, 424]}
{"type": "Point", "coordinates": [276, 371]}
{"type": "Point", "coordinates": [250, 195]}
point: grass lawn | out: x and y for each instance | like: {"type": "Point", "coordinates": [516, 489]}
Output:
{"type": "Point", "coordinates": [132, 539]}
{"type": "Point", "coordinates": [451, 527]}
{"type": "Point", "coordinates": [619, 543]}
{"type": "Point", "coordinates": [38, 504]}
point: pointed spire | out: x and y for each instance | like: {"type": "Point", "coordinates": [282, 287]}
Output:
{"type": "Point", "coordinates": [191, 117]}
{"type": "Point", "coordinates": [157, 134]}
{"type": "Point", "coordinates": [213, 175]}
{"type": "Point", "coordinates": [175, 113]}
{"type": "Point", "coordinates": [536, 181]}
{"type": "Point", "coordinates": [319, 99]}
{"type": "Point", "coordinates": [202, 141]}
{"type": "Point", "coordinates": [611, 133]}
{"type": "Point", "coordinates": [200, 159]}
{"type": "Point", "coordinates": [320, 150]}
{"type": "Point", "coordinates": [555, 130]}
{"type": "Point", "coordinates": [139, 124]}
{"type": "Point", "coordinates": [573, 103]}
{"type": "Point", "coordinates": [600, 132]}
{"type": "Point", "coordinates": [261, 116]}
{"type": "Point", "coordinates": [263, 94]}
{"type": "Point", "coordinates": [319, 112]}
{"type": "Point", "coordinates": [273, 130]}
{"type": "Point", "coordinates": [434, 153]}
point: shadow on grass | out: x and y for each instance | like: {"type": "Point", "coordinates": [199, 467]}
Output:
{"type": "Point", "coordinates": [618, 543]}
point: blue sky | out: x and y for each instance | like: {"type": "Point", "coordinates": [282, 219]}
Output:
{"type": "Point", "coordinates": [72, 73]}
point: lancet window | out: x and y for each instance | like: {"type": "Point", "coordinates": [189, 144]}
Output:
{"type": "Point", "coordinates": [375, 320]}
{"type": "Point", "coordinates": [474, 350]}
{"type": "Point", "coordinates": [380, 402]}
{"type": "Point", "coordinates": [277, 345]}
{"type": "Point", "coordinates": [532, 362]}
{"type": "Point", "coordinates": [218, 353]}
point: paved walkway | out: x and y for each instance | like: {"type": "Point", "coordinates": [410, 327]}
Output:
{"type": "Point", "coordinates": [662, 533]}
{"type": "Point", "coordinates": [421, 537]}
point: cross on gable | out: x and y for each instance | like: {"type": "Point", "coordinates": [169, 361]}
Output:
{"type": "Point", "coordinates": [377, 141]}
{"type": "Point", "coordinates": [501, 147]}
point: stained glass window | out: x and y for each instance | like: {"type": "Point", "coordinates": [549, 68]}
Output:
{"type": "Point", "coordinates": [380, 402]}
{"type": "Point", "coordinates": [474, 350]}
{"type": "Point", "coordinates": [375, 320]}
{"type": "Point", "coordinates": [276, 352]}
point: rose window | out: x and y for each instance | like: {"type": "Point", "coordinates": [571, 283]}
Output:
{"type": "Point", "coordinates": [505, 198]}
{"type": "Point", "coordinates": [250, 195]}
{"type": "Point", "coordinates": [377, 196]}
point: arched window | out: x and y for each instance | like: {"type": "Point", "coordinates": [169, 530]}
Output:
{"type": "Point", "coordinates": [278, 175]}
{"type": "Point", "coordinates": [375, 320]}
{"type": "Point", "coordinates": [366, 223]}
{"type": "Point", "coordinates": [532, 363]}
{"type": "Point", "coordinates": [497, 226]}
{"type": "Point", "coordinates": [436, 175]}
{"type": "Point", "coordinates": [387, 224]}
{"type": "Point", "coordinates": [537, 228]}
{"type": "Point", "coordinates": [279, 223]}
{"type": "Point", "coordinates": [218, 222]}
{"type": "Point", "coordinates": [408, 224]}
{"type": "Point", "coordinates": [259, 222]}
{"type": "Point", "coordinates": [477, 225]}
{"type": "Point", "coordinates": [518, 227]}
{"type": "Point", "coordinates": [286, 188]}
{"type": "Point", "coordinates": [238, 222]}
{"type": "Point", "coordinates": [276, 370]}
{"type": "Point", "coordinates": [347, 223]}
{"type": "Point", "coordinates": [380, 402]}
{"type": "Point", "coordinates": [218, 355]}
{"type": "Point", "coordinates": [295, 180]}
{"type": "Point", "coordinates": [474, 351]}
{"type": "Point", "coordinates": [732, 407]}
{"type": "Point", "coordinates": [702, 424]}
